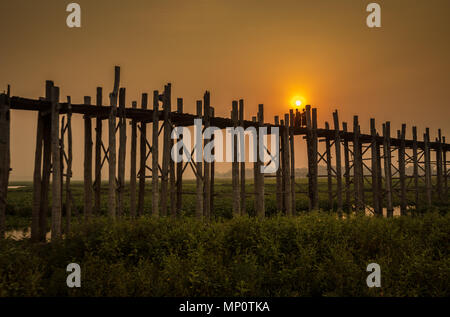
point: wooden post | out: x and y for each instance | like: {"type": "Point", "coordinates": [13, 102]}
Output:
{"type": "Point", "coordinates": [46, 165]}
{"type": "Point", "coordinates": [311, 126]}
{"type": "Point", "coordinates": [122, 153]}
{"type": "Point", "coordinates": [207, 167]}
{"type": "Point", "coordinates": [173, 189]}
{"type": "Point", "coordinates": [35, 235]}
{"type": "Point", "coordinates": [380, 178]}
{"type": "Point", "coordinates": [439, 167]}
{"type": "Point", "coordinates": [282, 167]}
{"type": "Point", "coordinates": [402, 170]}
{"type": "Point", "coordinates": [337, 147]}
{"type": "Point", "coordinates": [56, 156]}
{"type": "Point", "coordinates": [98, 155]}
{"type": "Point", "coordinates": [428, 171]}
{"type": "Point", "coordinates": [5, 126]}
{"type": "Point", "coordinates": [235, 163]}
{"type": "Point", "coordinates": [166, 148]}
{"type": "Point", "coordinates": [199, 169]}
{"type": "Point", "coordinates": [69, 167]}
{"type": "Point", "coordinates": [315, 161]}
{"type": "Point", "coordinates": [387, 167]}
{"type": "Point", "coordinates": [255, 168]}
{"type": "Point", "coordinates": [133, 165]}
{"type": "Point", "coordinates": [87, 163]}
{"type": "Point", "coordinates": [211, 184]}
{"type": "Point", "coordinates": [143, 154]}
{"type": "Point", "coordinates": [155, 156]}
{"type": "Point", "coordinates": [444, 159]}
{"type": "Point", "coordinates": [292, 157]}
{"type": "Point", "coordinates": [286, 168]}
{"type": "Point", "coordinates": [61, 160]}
{"type": "Point", "coordinates": [112, 145]}
{"type": "Point", "coordinates": [357, 166]}
{"type": "Point", "coordinates": [375, 181]}
{"type": "Point", "coordinates": [415, 168]}
{"type": "Point", "coordinates": [347, 168]}
{"type": "Point", "coordinates": [179, 166]}
{"type": "Point", "coordinates": [329, 174]}
{"type": "Point", "coordinates": [260, 210]}
{"type": "Point", "coordinates": [279, 180]}
{"type": "Point", "coordinates": [242, 167]}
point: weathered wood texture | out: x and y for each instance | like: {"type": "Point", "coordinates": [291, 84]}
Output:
{"type": "Point", "coordinates": [87, 164]}
{"type": "Point", "coordinates": [133, 154]}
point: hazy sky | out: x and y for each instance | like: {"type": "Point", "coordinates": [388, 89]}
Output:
{"type": "Point", "coordinates": [259, 50]}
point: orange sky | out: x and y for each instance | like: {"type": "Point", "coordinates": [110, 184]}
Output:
{"type": "Point", "coordinates": [259, 50]}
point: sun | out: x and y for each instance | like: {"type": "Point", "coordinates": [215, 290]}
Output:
{"type": "Point", "coordinates": [297, 101]}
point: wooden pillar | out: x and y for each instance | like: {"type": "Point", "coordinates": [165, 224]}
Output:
{"type": "Point", "coordinates": [242, 167]}
{"type": "Point", "coordinates": [199, 168]}
{"type": "Point", "coordinates": [357, 166]}
{"type": "Point", "coordinates": [279, 180]}
{"type": "Point", "coordinates": [402, 170]}
{"type": "Point", "coordinates": [282, 166]}
{"type": "Point", "coordinates": [5, 126]}
{"type": "Point", "coordinates": [376, 190]}
{"type": "Point", "coordinates": [166, 149]}
{"type": "Point", "coordinates": [69, 167]}
{"type": "Point", "coordinates": [380, 178]}
{"type": "Point", "coordinates": [439, 168]}
{"type": "Point", "coordinates": [133, 165]}
{"type": "Point", "coordinates": [212, 172]}
{"type": "Point", "coordinates": [179, 166]}
{"type": "Point", "coordinates": [98, 155]}
{"type": "Point", "coordinates": [286, 167]}
{"type": "Point", "coordinates": [87, 163]}
{"type": "Point", "coordinates": [122, 154]}
{"type": "Point", "coordinates": [347, 168]}
{"type": "Point", "coordinates": [315, 160]}
{"type": "Point", "coordinates": [337, 147]}
{"type": "Point", "coordinates": [255, 168]}
{"type": "Point", "coordinates": [172, 182]}
{"type": "Point", "coordinates": [37, 182]}
{"type": "Point", "coordinates": [112, 186]}
{"type": "Point", "coordinates": [235, 163]}
{"type": "Point", "coordinates": [56, 178]}
{"type": "Point", "coordinates": [428, 171]}
{"type": "Point", "coordinates": [311, 125]}
{"type": "Point", "coordinates": [292, 157]}
{"type": "Point", "coordinates": [329, 173]}
{"type": "Point", "coordinates": [415, 168]}
{"type": "Point", "coordinates": [155, 156]}
{"type": "Point", "coordinates": [46, 164]}
{"type": "Point", "coordinates": [387, 167]}
{"type": "Point", "coordinates": [444, 159]}
{"type": "Point", "coordinates": [143, 155]}
{"type": "Point", "coordinates": [260, 210]}
{"type": "Point", "coordinates": [207, 166]}
{"type": "Point", "coordinates": [61, 160]}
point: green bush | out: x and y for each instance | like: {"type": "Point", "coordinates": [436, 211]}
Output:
{"type": "Point", "coordinates": [311, 255]}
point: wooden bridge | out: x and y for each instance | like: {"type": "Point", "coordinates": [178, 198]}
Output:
{"type": "Point", "coordinates": [381, 178]}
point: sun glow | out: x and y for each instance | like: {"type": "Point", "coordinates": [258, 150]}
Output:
{"type": "Point", "coordinates": [297, 101]}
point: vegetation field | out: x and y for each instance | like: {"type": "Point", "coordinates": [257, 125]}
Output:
{"type": "Point", "coordinates": [312, 254]}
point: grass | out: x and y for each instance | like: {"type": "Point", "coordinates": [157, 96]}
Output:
{"type": "Point", "coordinates": [312, 254]}
{"type": "Point", "coordinates": [316, 254]}
{"type": "Point", "coordinates": [19, 202]}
